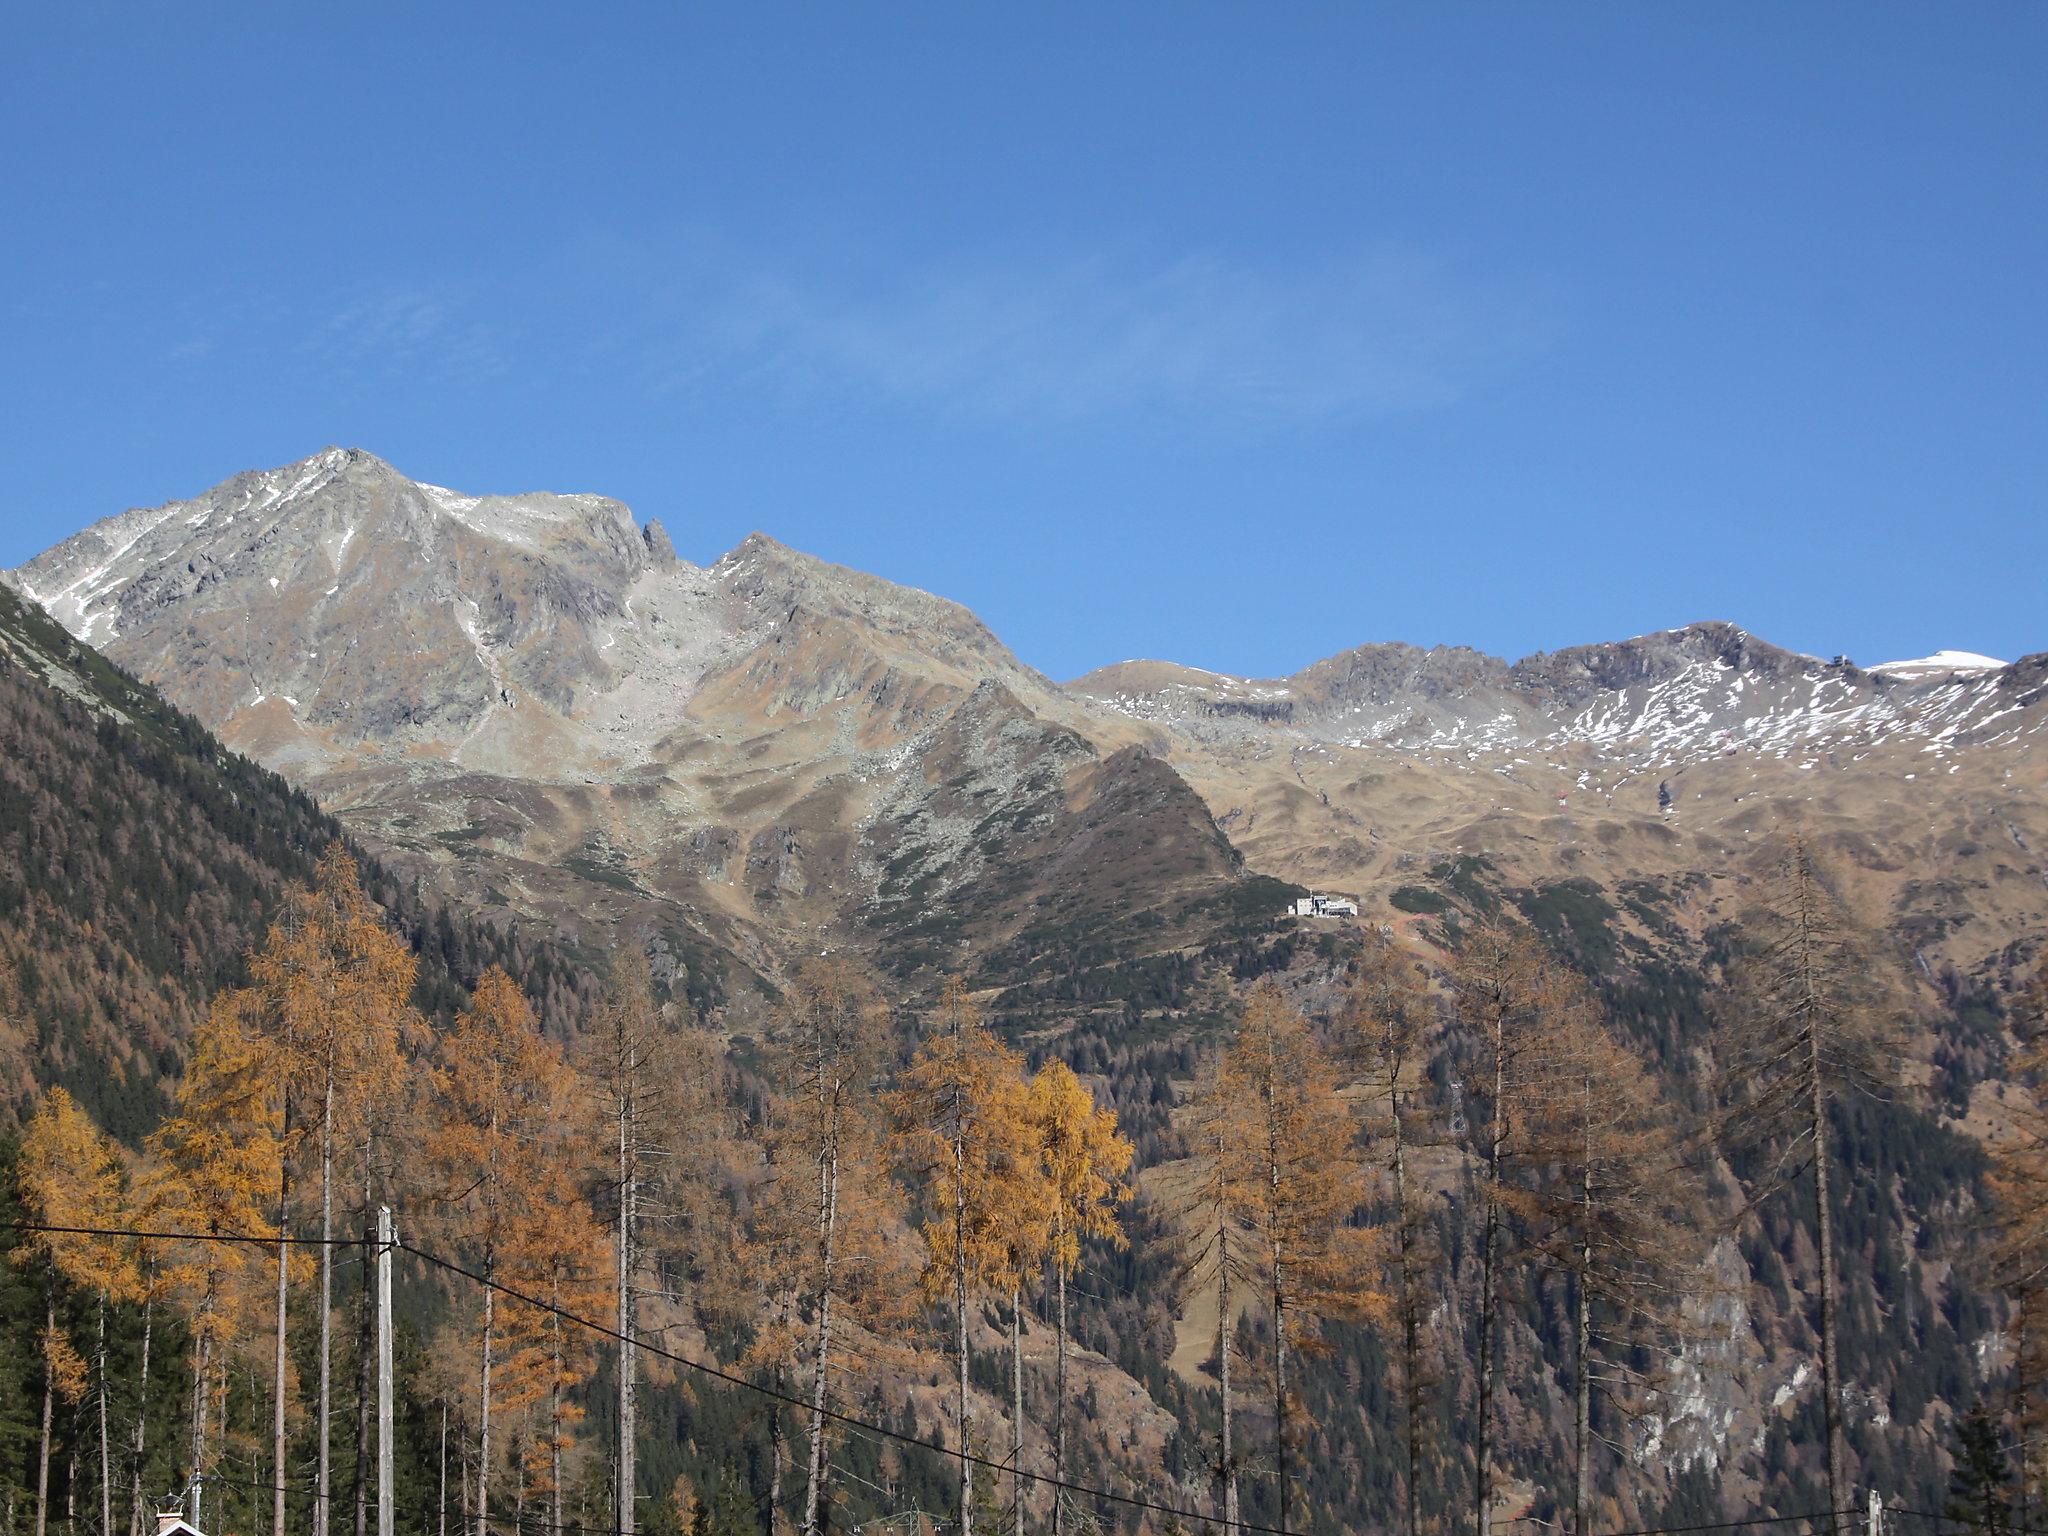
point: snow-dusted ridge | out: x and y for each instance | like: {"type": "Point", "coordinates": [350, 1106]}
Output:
{"type": "Point", "coordinates": [571, 598]}
{"type": "Point", "coordinates": [1657, 701]}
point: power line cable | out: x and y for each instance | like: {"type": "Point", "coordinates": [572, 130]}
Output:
{"type": "Point", "coordinates": [715, 1372]}
{"type": "Point", "coordinates": [847, 1420]}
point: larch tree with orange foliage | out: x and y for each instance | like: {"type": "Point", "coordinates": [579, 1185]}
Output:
{"type": "Point", "coordinates": [501, 1100]}
{"type": "Point", "coordinates": [71, 1177]}
{"type": "Point", "coordinates": [1083, 1160]}
{"type": "Point", "coordinates": [962, 1132]}
{"type": "Point", "coordinates": [331, 990]}
{"type": "Point", "coordinates": [1290, 1177]}
{"type": "Point", "coordinates": [559, 1255]}
{"type": "Point", "coordinates": [215, 1163]}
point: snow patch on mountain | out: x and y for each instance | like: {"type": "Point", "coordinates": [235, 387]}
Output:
{"type": "Point", "coordinates": [1940, 663]}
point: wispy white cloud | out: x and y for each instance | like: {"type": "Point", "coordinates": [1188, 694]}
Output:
{"type": "Point", "coordinates": [1196, 339]}
{"type": "Point", "coordinates": [387, 326]}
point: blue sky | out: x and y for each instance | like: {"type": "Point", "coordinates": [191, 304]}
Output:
{"type": "Point", "coordinates": [1233, 334]}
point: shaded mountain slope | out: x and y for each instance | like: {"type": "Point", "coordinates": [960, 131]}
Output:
{"type": "Point", "coordinates": [139, 861]}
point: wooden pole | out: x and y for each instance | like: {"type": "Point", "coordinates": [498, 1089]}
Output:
{"type": "Point", "coordinates": [386, 1239]}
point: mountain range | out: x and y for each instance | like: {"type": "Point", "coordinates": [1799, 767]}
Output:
{"type": "Point", "coordinates": [535, 702]}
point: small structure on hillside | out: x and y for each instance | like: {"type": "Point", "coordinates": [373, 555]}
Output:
{"type": "Point", "coordinates": [1315, 904]}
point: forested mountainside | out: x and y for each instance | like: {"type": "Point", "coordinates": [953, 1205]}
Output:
{"type": "Point", "coordinates": [581, 744]}
{"type": "Point", "coordinates": [140, 861]}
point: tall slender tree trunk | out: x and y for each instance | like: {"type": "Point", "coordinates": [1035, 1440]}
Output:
{"type": "Point", "coordinates": [828, 1223]}
{"type": "Point", "coordinates": [628, 1355]}
{"type": "Point", "coordinates": [1279, 1305]}
{"type": "Point", "coordinates": [323, 1461]}
{"type": "Point", "coordinates": [778, 1453]}
{"type": "Point", "coordinates": [1411, 1323]}
{"type": "Point", "coordinates": [555, 1408]}
{"type": "Point", "coordinates": [483, 1440]}
{"type": "Point", "coordinates": [1059, 1378]}
{"type": "Point", "coordinates": [106, 1473]}
{"type": "Point", "coordinates": [1582, 1418]}
{"type": "Point", "coordinates": [1482, 1491]}
{"type": "Point", "coordinates": [194, 1503]}
{"type": "Point", "coordinates": [277, 1461]}
{"type": "Point", "coordinates": [441, 1518]}
{"type": "Point", "coordinates": [960, 1310]}
{"type": "Point", "coordinates": [1226, 1337]}
{"type": "Point", "coordinates": [778, 1444]}
{"type": "Point", "coordinates": [2021, 1391]}
{"type": "Point", "coordinates": [1280, 1383]}
{"type": "Point", "coordinates": [140, 1446]}
{"type": "Point", "coordinates": [359, 1484]}
{"type": "Point", "coordinates": [1017, 1409]}
{"type": "Point", "coordinates": [1830, 1377]}
{"type": "Point", "coordinates": [49, 1401]}
{"type": "Point", "coordinates": [515, 1458]}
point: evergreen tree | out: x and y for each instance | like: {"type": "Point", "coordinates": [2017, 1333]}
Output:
{"type": "Point", "coordinates": [71, 1177]}
{"type": "Point", "coordinates": [1979, 1490]}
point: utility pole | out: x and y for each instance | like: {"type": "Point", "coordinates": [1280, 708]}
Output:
{"type": "Point", "coordinates": [386, 1240]}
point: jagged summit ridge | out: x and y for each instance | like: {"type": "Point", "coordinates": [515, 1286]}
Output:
{"type": "Point", "coordinates": [1664, 698]}
{"type": "Point", "coordinates": [372, 608]}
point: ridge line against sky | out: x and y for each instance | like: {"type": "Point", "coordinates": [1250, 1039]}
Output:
{"type": "Point", "coordinates": [708, 560]}
{"type": "Point", "coordinates": [1233, 337]}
